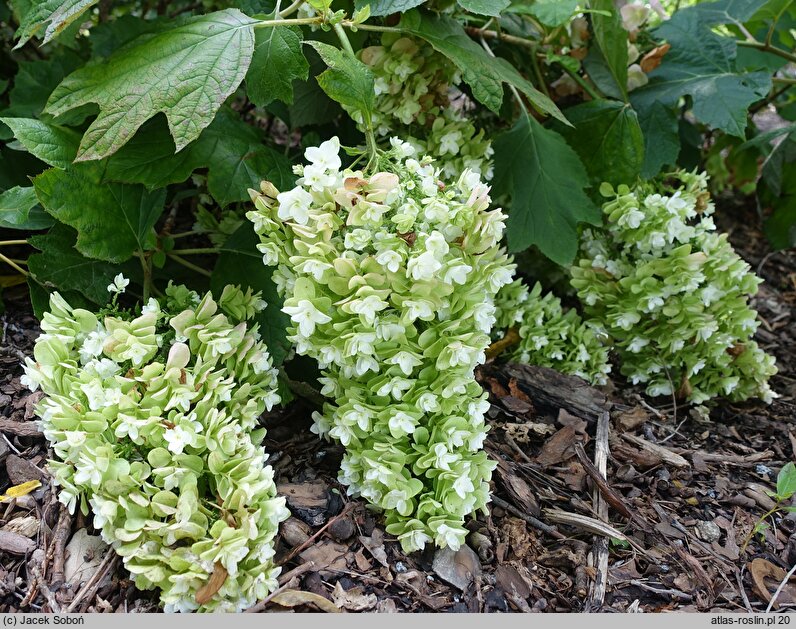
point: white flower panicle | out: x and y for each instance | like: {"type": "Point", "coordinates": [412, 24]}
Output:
{"type": "Point", "coordinates": [672, 293]}
{"type": "Point", "coordinates": [154, 423]}
{"type": "Point", "coordinates": [549, 336]}
{"type": "Point", "coordinates": [389, 281]}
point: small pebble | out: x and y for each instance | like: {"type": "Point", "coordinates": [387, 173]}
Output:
{"type": "Point", "coordinates": [399, 566]}
{"type": "Point", "coordinates": [763, 470]}
{"type": "Point", "coordinates": [342, 529]}
{"type": "Point", "coordinates": [708, 531]}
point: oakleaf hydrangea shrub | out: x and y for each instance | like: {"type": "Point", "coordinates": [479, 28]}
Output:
{"type": "Point", "coordinates": [153, 419]}
{"type": "Point", "coordinates": [389, 280]}
{"type": "Point", "coordinates": [414, 88]}
{"type": "Point", "coordinates": [673, 293]}
{"type": "Point", "coordinates": [550, 336]}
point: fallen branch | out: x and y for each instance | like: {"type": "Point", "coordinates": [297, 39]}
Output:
{"type": "Point", "coordinates": [600, 472]}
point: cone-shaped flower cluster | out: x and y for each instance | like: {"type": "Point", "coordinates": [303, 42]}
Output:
{"type": "Point", "coordinates": [389, 280]}
{"type": "Point", "coordinates": [153, 420]}
{"type": "Point", "coordinates": [673, 293]}
{"type": "Point", "coordinates": [549, 336]}
{"type": "Point", "coordinates": [414, 86]}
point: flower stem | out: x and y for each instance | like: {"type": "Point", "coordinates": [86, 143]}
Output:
{"type": "Point", "coordinates": [189, 265]}
{"type": "Point", "coordinates": [344, 41]}
{"type": "Point", "coordinates": [767, 47]}
{"type": "Point", "coordinates": [291, 22]}
{"type": "Point", "coordinates": [3, 243]}
{"type": "Point", "coordinates": [146, 266]}
{"type": "Point", "coordinates": [291, 9]}
{"type": "Point", "coordinates": [371, 27]}
{"type": "Point", "coordinates": [13, 265]}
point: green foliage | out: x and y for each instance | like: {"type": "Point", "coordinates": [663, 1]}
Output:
{"type": "Point", "coordinates": [543, 177]}
{"type": "Point", "coordinates": [786, 482]}
{"type": "Point", "coordinates": [607, 137]}
{"type": "Point", "coordinates": [19, 209]}
{"type": "Point", "coordinates": [347, 80]}
{"type": "Point", "coordinates": [112, 220]}
{"type": "Point", "coordinates": [52, 15]}
{"type": "Point", "coordinates": [386, 7]}
{"type": "Point", "coordinates": [277, 61]}
{"type": "Point", "coordinates": [53, 144]}
{"type": "Point", "coordinates": [611, 40]}
{"type": "Point", "coordinates": [186, 72]}
{"type": "Point", "coordinates": [484, 7]}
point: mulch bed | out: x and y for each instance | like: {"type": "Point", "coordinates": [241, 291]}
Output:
{"type": "Point", "coordinates": [670, 528]}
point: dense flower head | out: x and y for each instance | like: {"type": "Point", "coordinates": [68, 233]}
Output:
{"type": "Point", "coordinates": [415, 89]}
{"type": "Point", "coordinates": [153, 419]}
{"type": "Point", "coordinates": [550, 336]}
{"type": "Point", "coordinates": [673, 293]}
{"type": "Point", "coordinates": [389, 280]}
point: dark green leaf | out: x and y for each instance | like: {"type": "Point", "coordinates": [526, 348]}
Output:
{"type": "Point", "coordinates": [780, 227]}
{"type": "Point", "coordinates": [231, 149]}
{"type": "Point", "coordinates": [545, 181]}
{"type": "Point", "coordinates": [701, 64]}
{"type": "Point", "coordinates": [387, 7]}
{"type": "Point", "coordinates": [484, 7]}
{"type": "Point", "coordinates": [113, 220]}
{"type": "Point", "coordinates": [347, 80]}
{"type": "Point", "coordinates": [52, 15]}
{"type": "Point", "coordinates": [241, 264]}
{"type": "Point", "coordinates": [278, 60]}
{"type": "Point", "coordinates": [484, 74]}
{"type": "Point", "coordinates": [724, 11]}
{"type": "Point", "coordinates": [661, 138]}
{"type": "Point", "coordinates": [19, 210]}
{"type": "Point", "coordinates": [549, 12]}
{"type": "Point", "coordinates": [311, 105]}
{"type": "Point", "coordinates": [108, 37]}
{"type": "Point", "coordinates": [186, 73]}
{"type": "Point", "coordinates": [607, 137]}
{"type": "Point", "coordinates": [611, 38]}
{"type": "Point", "coordinates": [52, 144]}
{"type": "Point", "coordinates": [61, 267]}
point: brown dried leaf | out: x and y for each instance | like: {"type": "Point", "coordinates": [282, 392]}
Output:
{"type": "Point", "coordinates": [766, 577]}
{"type": "Point", "coordinates": [213, 585]}
{"type": "Point", "coordinates": [654, 57]}
{"type": "Point", "coordinates": [354, 599]}
{"type": "Point", "coordinates": [295, 598]}
{"type": "Point", "coordinates": [558, 448]}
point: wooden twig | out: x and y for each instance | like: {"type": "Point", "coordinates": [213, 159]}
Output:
{"type": "Point", "coordinates": [537, 524]}
{"type": "Point", "coordinates": [608, 493]}
{"type": "Point", "coordinates": [663, 591]}
{"type": "Point", "coordinates": [92, 585]}
{"type": "Point", "coordinates": [320, 532]}
{"type": "Point", "coordinates": [664, 454]}
{"type": "Point", "coordinates": [601, 487]}
{"type": "Point", "coordinates": [57, 550]}
{"type": "Point", "coordinates": [284, 582]}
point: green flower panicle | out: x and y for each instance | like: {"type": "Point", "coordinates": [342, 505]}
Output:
{"type": "Point", "coordinates": [672, 293]}
{"type": "Point", "coordinates": [415, 89]}
{"type": "Point", "coordinates": [389, 280]}
{"type": "Point", "coordinates": [550, 336]}
{"type": "Point", "coordinates": [153, 419]}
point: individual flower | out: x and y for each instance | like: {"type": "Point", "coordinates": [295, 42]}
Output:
{"type": "Point", "coordinates": [119, 284]}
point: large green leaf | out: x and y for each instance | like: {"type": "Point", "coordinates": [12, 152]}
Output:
{"type": "Point", "coordinates": [241, 264]}
{"type": "Point", "coordinates": [701, 64]}
{"type": "Point", "coordinates": [61, 267]}
{"type": "Point", "coordinates": [661, 137]}
{"type": "Point", "coordinates": [387, 7]}
{"type": "Point", "coordinates": [186, 73]}
{"type": "Point", "coordinates": [112, 220]}
{"type": "Point", "coordinates": [19, 209]}
{"type": "Point", "coordinates": [484, 74]}
{"type": "Point", "coordinates": [607, 137]}
{"type": "Point", "coordinates": [52, 144]}
{"type": "Point", "coordinates": [347, 80]}
{"type": "Point", "coordinates": [611, 38]}
{"type": "Point", "coordinates": [278, 60]}
{"type": "Point", "coordinates": [52, 15]}
{"type": "Point", "coordinates": [484, 7]}
{"type": "Point", "coordinates": [545, 181]}
{"type": "Point", "coordinates": [231, 149]}
{"type": "Point", "coordinates": [726, 11]}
